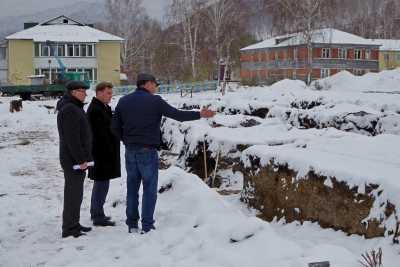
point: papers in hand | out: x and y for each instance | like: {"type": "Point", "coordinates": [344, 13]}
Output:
{"type": "Point", "coordinates": [78, 167]}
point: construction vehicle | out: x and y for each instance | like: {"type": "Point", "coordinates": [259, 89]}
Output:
{"type": "Point", "coordinates": [40, 86]}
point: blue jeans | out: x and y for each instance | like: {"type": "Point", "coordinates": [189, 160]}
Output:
{"type": "Point", "coordinates": [141, 167]}
{"type": "Point", "coordinates": [99, 195]}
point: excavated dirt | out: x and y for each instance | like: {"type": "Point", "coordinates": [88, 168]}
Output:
{"type": "Point", "coordinates": [276, 194]}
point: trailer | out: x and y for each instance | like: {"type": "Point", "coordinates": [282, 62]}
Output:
{"type": "Point", "coordinates": [51, 90]}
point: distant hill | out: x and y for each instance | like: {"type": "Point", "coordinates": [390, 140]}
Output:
{"type": "Point", "coordinates": [85, 12]}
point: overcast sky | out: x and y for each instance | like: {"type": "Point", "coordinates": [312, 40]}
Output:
{"type": "Point", "coordinates": [20, 7]}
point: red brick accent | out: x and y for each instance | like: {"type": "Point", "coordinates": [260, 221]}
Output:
{"type": "Point", "coordinates": [244, 74]}
{"type": "Point", "coordinates": [290, 53]}
{"type": "Point", "coordinates": [350, 53]}
{"type": "Point", "coordinates": [317, 52]}
{"type": "Point", "coordinates": [302, 53]}
{"type": "Point", "coordinates": [316, 73]}
{"type": "Point", "coordinates": [335, 52]}
{"type": "Point", "coordinates": [375, 54]}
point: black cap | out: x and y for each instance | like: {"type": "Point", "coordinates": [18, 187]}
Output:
{"type": "Point", "coordinates": [144, 77]}
{"type": "Point", "coordinates": [74, 85]}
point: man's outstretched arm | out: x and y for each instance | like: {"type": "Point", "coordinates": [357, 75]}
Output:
{"type": "Point", "coordinates": [169, 111]}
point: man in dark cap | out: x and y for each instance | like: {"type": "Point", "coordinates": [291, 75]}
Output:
{"type": "Point", "coordinates": [137, 122]}
{"type": "Point", "coordinates": [75, 154]}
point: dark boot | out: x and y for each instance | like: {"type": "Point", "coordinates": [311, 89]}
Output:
{"type": "Point", "coordinates": [107, 218]}
{"type": "Point", "coordinates": [85, 229]}
{"type": "Point", "coordinates": [75, 234]}
{"type": "Point", "coordinates": [103, 223]}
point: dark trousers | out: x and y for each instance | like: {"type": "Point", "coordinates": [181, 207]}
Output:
{"type": "Point", "coordinates": [141, 167]}
{"type": "Point", "coordinates": [73, 195]}
{"type": "Point", "coordinates": [99, 195]}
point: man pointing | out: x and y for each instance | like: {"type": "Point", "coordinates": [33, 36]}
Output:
{"type": "Point", "coordinates": [136, 122]}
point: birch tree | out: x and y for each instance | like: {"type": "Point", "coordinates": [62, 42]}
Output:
{"type": "Point", "coordinates": [307, 16]}
{"type": "Point", "coordinates": [222, 15]}
{"type": "Point", "coordinates": [187, 14]}
{"type": "Point", "coordinates": [128, 19]}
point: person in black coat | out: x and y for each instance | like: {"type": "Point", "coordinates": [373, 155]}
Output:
{"type": "Point", "coordinates": [75, 154]}
{"type": "Point", "coordinates": [106, 152]}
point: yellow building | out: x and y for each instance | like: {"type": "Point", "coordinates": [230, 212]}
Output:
{"type": "Point", "coordinates": [389, 54]}
{"type": "Point", "coordinates": [46, 48]}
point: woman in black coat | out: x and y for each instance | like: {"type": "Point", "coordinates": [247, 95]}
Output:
{"type": "Point", "coordinates": [105, 152]}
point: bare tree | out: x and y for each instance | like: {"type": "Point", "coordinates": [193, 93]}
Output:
{"type": "Point", "coordinates": [128, 19]}
{"type": "Point", "coordinates": [222, 15]}
{"type": "Point", "coordinates": [307, 17]}
{"type": "Point", "coordinates": [187, 13]}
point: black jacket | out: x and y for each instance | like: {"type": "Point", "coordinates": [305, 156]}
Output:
{"type": "Point", "coordinates": [106, 146]}
{"type": "Point", "coordinates": [138, 116]}
{"type": "Point", "coordinates": [74, 132]}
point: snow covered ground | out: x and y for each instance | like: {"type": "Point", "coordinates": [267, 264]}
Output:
{"type": "Point", "coordinates": [195, 225]}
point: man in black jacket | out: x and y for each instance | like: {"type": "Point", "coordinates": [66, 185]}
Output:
{"type": "Point", "coordinates": [137, 123]}
{"type": "Point", "coordinates": [75, 154]}
{"type": "Point", "coordinates": [106, 152]}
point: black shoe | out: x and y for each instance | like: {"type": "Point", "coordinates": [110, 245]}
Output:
{"type": "Point", "coordinates": [85, 229]}
{"type": "Point", "coordinates": [107, 218]}
{"type": "Point", "coordinates": [103, 223]}
{"type": "Point", "coordinates": [75, 234]}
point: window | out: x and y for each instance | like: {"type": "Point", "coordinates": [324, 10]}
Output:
{"type": "Point", "coordinates": [325, 73]}
{"type": "Point", "coordinates": [326, 53]}
{"type": "Point", "coordinates": [61, 50]}
{"type": "Point", "coordinates": [357, 54]}
{"type": "Point", "coordinates": [83, 50]}
{"type": "Point", "coordinates": [70, 50]}
{"type": "Point", "coordinates": [294, 74]}
{"type": "Point", "coordinates": [387, 58]}
{"type": "Point", "coordinates": [37, 50]}
{"type": "Point", "coordinates": [53, 49]}
{"type": "Point", "coordinates": [3, 53]}
{"type": "Point", "coordinates": [37, 71]}
{"type": "Point", "coordinates": [367, 54]}
{"type": "Point", "coordinates": [45, 72]}
{"type": "Point", "coordinates": [276, 55]}
{"type": "Point", "coordinates": [45, 51]}
{"type": "Point", "coordinates": [89, 73]}
{"type": "Point", "coordinates": [398, 57]}
{"type": "Point", "coordinates": [295, 53]}
{"type": "Point", "coordinates": [90, 50]}
{"type": "Point", "coordinates": [342, 53]}
{"type": "Point", "coordinates": [77, 51]}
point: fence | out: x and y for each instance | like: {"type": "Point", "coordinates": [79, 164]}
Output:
{"type": "Point", "coordinates": [174, 88]}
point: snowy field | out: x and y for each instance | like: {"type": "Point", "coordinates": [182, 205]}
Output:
{"type": "Point", "coordinates": [195, 225]}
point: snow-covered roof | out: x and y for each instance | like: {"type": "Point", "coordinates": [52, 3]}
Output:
{"type": "Point", "coordinates": [324, 36]}
{"type": "Point", "coordinates": [388, 44]}
{"type": "Point", "coordinates": [61, 29]}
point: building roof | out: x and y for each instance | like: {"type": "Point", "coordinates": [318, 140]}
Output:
{"type": "Point", "coordinates": [322, 36]}
{"type": "Point", "coordinates": [388, 44]}
{"type": "Point", "coordinates": [63, 29]}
